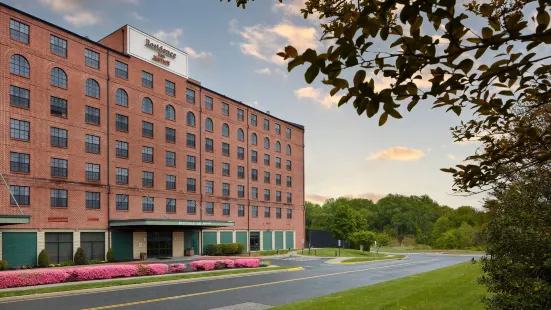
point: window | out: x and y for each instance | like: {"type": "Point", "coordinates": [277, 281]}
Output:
{"type": "Point", "coordinates": [289, 213]}
{"type": "Point", "coordinates": [254, 193]}
{"type": "Point", "coordinates": [241, 172]}
{"type": "Point", "coordinates": [190, 95]}
{"type": "Point", "coordinates": [191, 209]}
{"type": "Point", "coordinates": [58, 137]}
{"type": "Point", "coordinates": [225, 109]}
{"type": "Point", "coordinates": [288, 149]}
{"type": "Point", "coordinates": [22, 195]}
{"type": "Point", "coordinates": [240, 210]}
{"type": "Point", "coordinates": [289, 197]}
{"type": "Point", "coordinates": [190, 162]}
{"type": "Point", "coordinates": [170, 159]}
{"type": "Point", "coordinates": [209, 145]}
{"type": "Point", "coordinates": [92, 88]}
{"type": "Point", "coordinates": [266, 211]}
{"type": "Point", "coordinates": [254, 139]}
{"type": "Point", "coordinates": [170, 135]}
{"type": "Point", "coordinates": [92, 200]}
{"type": "Point", "coordinates": [225, 189]}
{"type": "Point", "coordinates": [289, 183]}
{"type": "Point", "coordinates": [121, 69]}
{"type": "Point", "coordinates": [148, 204]}
{"type": "Point", "coordinates": [58, 107]}
{"type": "Point", "coordinates": [266, 143]}
{"type": "Point", "coordinates": [278, 162]}
{"type": "Point", "coordinates": [254, 211]}
{"type": "Point", "coordinates": [209, 187]}
{"type": "Point", "coordinates": [240, 135]}
{"type": "Point", "coordinates": [147, 105]}
{"type": "Point", "coordinates": [191, 185]}
{"type": "Point", "coordinates": [92, 144]}
{"type": "Point", "coordinates": [92, 172]}
{"type": "Point", "coordinates": [59, 246]}
{"type": "Point", "coordinates": [58, 198]}
{"type": "Point", "coordinates": [147, 79]}
{"type": "Point", "coordinates": [20, 130]}
{"type": "Point", "coordinates": [288, 132]}
{"type": "Point", "coordinates": [266, 159]}
{"type": "Point", "coordinates": [209, 125]}
{"type": "Point", "coordinates": [19, 97]}
{"type": "Point", "coordinates": [170, 113]}
{"type": "Point", "coordinates": [121, 97]}
{"type": "Point", "coordinates": [147, 129]}
{"type": "Point", "coordinates": [209, 105]}
{"type": "Point", "coordinates": [209, 208]}
{"type": "Point", "coordinates": [289, 165]}
{"type": "Point", "coordinates": [19, 65]}
{"type": "Point", "coordinates": [267, 194]}
{"type": "Point", "coordinates": [190, 140]}
{"type": "Point", "coordinates": [58, 167]}
{"type": "Point", "coordinates": [225, 169]}
{"type": "Point", "coordinates": [226, 209]}
{"type": "Point", "coordinates": [121, 122]}
{"type": "Point", "coordinates": [170, 205]}
{"type": "Point", "coordinates": [121, 175]}
{"type": "Point", "coordinates": [147, 154]}
{"type": "Point", "coordinates": [121, 202]}
{"type": "Point", "coordinates": [20, 162]}
{"type": "Point", "coordinates": [240, 153]}
{"type": "Point", "coordinates": [93, 244]}
{"type": "Point", "coordinates": [278, 213]}
{"type": "Point", "coordinates": [240, 115]}
{"type": "Point", "coordinates": [225, 130]}
{"type": "Point", "coordinates": [253, 120]}
{"type": "Point", "coordinates": [147, 179]}
{"type": "Point", "coordinates": [254, 174]}
{"type": "Point", "coordinates": [278, 179]}
{"type": "Point", "coordinates": [121, 149]}
{"type": "Point", "coordinates": [170, 88]}
{"type": "Point", "coordinates": [58, 46]}
{"type": "Point", "coordinates": [91, 58]}
{"type": "Point", "coordinates": [209, 166]}
{"type": "Point", "coordinates": [266, 177]}
{"type": "Point", "coordinates": [278, 147]}
{"type": "Point", "coordinates": [278, 196]}
{"type": "Point", "coordinates": [240, 191]}
{"type": "Point", "coordinates": [190, 119]}
{"type": "Point", "coordinates": [170, 182]}
{"type": "Point", "coordinates": [58, 77]}
{"type": "Point", "coordinates": [19, 31]}
{"type": "Point", "coordinates": [254, 156]}
{"type": "Point", "coordinates": [266, 124]}
{"type": "Point", "coordinates": [225, 149]}
{"type": "Point", "coordinates": [92, 115]}
{"type": "Point", "coordinates": [277, 129]}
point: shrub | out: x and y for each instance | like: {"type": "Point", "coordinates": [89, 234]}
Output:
{"type": "Point", "coordinates": [43, 259]}
{"type": "Point", "coordinates": [80, 257]}
{"type": "Point", "coordinates": [247, 263]}
{"type": "Point", "coordinates": [94, 262]}
{"type": "Point", "coordinates": [177, 267]}
{"type": "Point", "coordinates": [3, 264]}
{"type": "Point", "coordinates": [224, 249]}
{"type": "Point", "coordinates": [203, 265]}
{"type": "Point", "coordinates": [152, 269]}
{"type": "Point", "coordinates": [67, 263]}
{"type": "Point", "coordinates": [111, 255]}
{"type": "Point", "coordinates": [265, 263]}
{"type": "Point", "coordinates": [240, 248]}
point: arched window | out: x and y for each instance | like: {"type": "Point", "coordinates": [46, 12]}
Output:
{"type": "Point", "coordinates": [147, 105]}
{"type": "Point", "coordinates": [288, 149]}
{"type": "Point", "coordinates": [240, 135]}
{"type": "Point", "coordinates": [190, 119]}
{"type": "Point", "coordinates": [266, 143]}
{"type": "Point", "coordinates": [278, 146]}
{"type": "Point", "coordinates": [58, 78]}
{"type": "Point", "coordinates": [225, 130]}
{"type": "Point", "coordinates": [170, 114]}
{"type": "Point", "coordinates": [208, 124]}
{"type": "Point", "coordinates": [19, 65]}
{"type": "Point", "coordinates": [253, 139]}
{"type": "Point", "coordinates": [122, 97]}
{"type": "Point", "coordinates": [92, 88]}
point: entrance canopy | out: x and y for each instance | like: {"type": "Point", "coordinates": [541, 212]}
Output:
{"type": "Point", "coordinates": [169, 222]}
{"type": "Point", "coordinates": [6, 219]}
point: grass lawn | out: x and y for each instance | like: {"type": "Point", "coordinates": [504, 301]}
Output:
{"type": "Point", "coordinates": [411, 249]}
{"type": "Point", "coordinates": [369, 259]}
{"type": "Point", "coordinates": [330, 252]}
{"type": "Point", "coordinates": [84, 285]}
{"type": "Point", "coordinates": [450, 288]}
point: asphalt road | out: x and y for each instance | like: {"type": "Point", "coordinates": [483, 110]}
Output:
{"type": "Point", "coordinates": [253, 292]}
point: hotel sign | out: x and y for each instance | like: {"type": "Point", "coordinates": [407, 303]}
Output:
{"type": "Point", "coordinates": [162, 53]}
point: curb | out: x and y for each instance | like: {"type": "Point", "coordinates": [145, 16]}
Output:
{"type": "Point", "coordinates": [368, 262]}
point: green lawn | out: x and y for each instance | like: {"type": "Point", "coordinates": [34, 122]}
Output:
{"type": "Point", "coordinates": [412, 249]}
{"type": "Point", "coordinates": [370, 259]}
{"type": "Point", "coordinates": [330, 252]}
{"type": "Point", "coordinates": [450, 288]}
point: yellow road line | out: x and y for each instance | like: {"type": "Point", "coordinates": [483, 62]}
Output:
{"type": "Point", "coordinates": [295, 269]}
{"type": "Point", "coordinates": [246, 286]}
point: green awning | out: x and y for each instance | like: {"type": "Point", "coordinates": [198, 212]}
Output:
{"type": "Point", "coordinates": [6, 219]}
{"type": "Point", "coordinates": [169, 222]}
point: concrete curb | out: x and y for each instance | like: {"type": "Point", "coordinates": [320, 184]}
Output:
{"type": "Point", "coordinates": [366, 262]}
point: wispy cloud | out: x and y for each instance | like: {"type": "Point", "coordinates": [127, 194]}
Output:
{"type": "Point", "coordinates": [451, 156]}
{"type": "Point", "coordinates": [74, 11]}
{"type": "Point", "coordinates": [317, 95]}
{"type": "Point", "coordinates": [170, 36]}
{"type": "Point", "coordinates": [137, 16]}
{"type": "Point", "coordinates": [264, 71]}
{"type": "Point", "coordinates": [197, 55]}
{"type": "Point", "coordinates": [399, 153]}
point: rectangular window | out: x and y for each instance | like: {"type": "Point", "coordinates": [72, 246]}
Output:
{"type": "Point", "coordinates": [278, 179]}
{"type": "Point", "coordinates": [58, 167]}
{"type": "Point", "coordinates": [225, 149]}
{"type": "Point", "coordinates": [289, 165]}
{"type": "Point", "coordinates": [240, 153]}
{"type": "Point", "coordinates": [22, 195]}
{"type": "Point", "coordinates": [92, 115]}
{"type": "Point", "coordinates": [121, 122]}
{"type": "Point", "coordinates": [209, 166]}
{"type": "Point", "coordinates": [288, 132]}
{"type": "Point", "coordinates": [266, 124]}
{"type": "Point", "coordinates": [289, 183]}
{"type": "Point", "coordinates": [92, 144]}
{"type": "Point", "coordinates": [147, 129]}
{"type": "Point", "coordinates": [289, 198]}
{"type": "Point", "coordinates": [209, 209]}
{"type": "Point", "coordinates": [240, 210]}
{"type": "Point", "coordinates": [226, 209]}
{"type": "Point", "coordinates": [240, 191]}
{"type": "Point", "coordinates": [278, 196]}
{"type": "Point", "coordinates": [266, 159]}
{"type": "Point", "coordinates": [20, 130]}
{"type": "Point", "coordinates": [58, 107]}
{"type": "Point", "coordinates": [170, 205]}
{"type": "Point", "coordinates": [121, 69]}
{"type": "Point", "coordinates": [241, 172]}
{"type": "Point", "coordinates": [92, 172]}
{"type": "Point", "coordinates": [240, 115]}
{"type": "Point", "coordinates": [121, 175]}
{"type": "Point", "coordinates": [209, 104]}
{"type": "Point", "coordinates": [254, 175]}
{"type": "Point", "coordinates": [190, 162]}
{"type": "Point", "coordinates": [58, 198]}
{"type": "Point", "coordinates": [170, 88]}
{"type": "Point", "coordinates": [58, 137]}
{"type": "Point", "coordinates": [289, 213]}
{"type": "Point", "coordinates": [20, 97]}
{"type": "Point", "coordinates": [170, 159]}
{"type": "Point", "coordinates": [266, 177]}
{"type": "Point", "coordinates": [170, 135]}
{"type": "Point", "coordinates": [254, 211]}
{"type": "Point", "coordinates": [266, 211]}
{"type": "Point", "coordinates": [147, 154]}
{"type": "Point", "coordinates": [277, 129]}
{"type": "Point", "coordinates": [225, 169]}
{"type": "Point", "coordinates": [148, 204]}
{"type": "Point", "coordinates": [191, 208]}
{"type": "Point", "coordinates": [191, 185]}
{"type": "Point", "coordinates": [58, 46]}
{"type": "Point", "coordinates": [121, 149]}
{"type": "Point", "coordinates": [147, 79]}
{"type": "Point", "coordinates": [92, 200]}
{"type": "Point", "coordinates": [278, 213]}
{"type": "Point", "coordinates": [20, 162]}
{"type": "Point", "coordinates": [19, 31]}
{"type": "Point", "coordinates": [209, 187]}
{"type": "Point", "coordinates": [190, 95]}
{"type": "Point", "coordinates": [278, 162]}
{"type": "Point", "coordinates": [225, 189]}
{"type": "Point", "coordinates": [209, 145]}
{"type": "Point", "coordinates": [253, 120]}
{"type": "Point", "coordinates": [254, 193]}
{"type": "Point", "coordinates": [91, 58]}
{"type": "Point", "coordinates": [267, 194]}
{"type": "Point", "coordinates": [121, 202]}
{"type": "Point", "coordinates": [170, 182]}
{"type": "Point", "coordinates": [225, 109]}
{"type": "Point", "coordinates": [190, 140]}
{"type": "Point", "coordinates": [147, 179]}
{"type": "Point", "coordinates": [254, 156]}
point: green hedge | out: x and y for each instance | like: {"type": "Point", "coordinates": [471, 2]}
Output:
{"type": "Point", "coordinates": [225, 249]}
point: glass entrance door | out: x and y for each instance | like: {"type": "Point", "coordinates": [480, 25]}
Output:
{"type": "Point", "coordinates": [254, 241]}
{"type": "Point", "coordinates": [159, 244]}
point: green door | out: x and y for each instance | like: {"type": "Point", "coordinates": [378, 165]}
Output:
{"type": "Point", "coordinates": [267, 242]}
{"type": "Point", "coordinates": [241, 237]}
{"type": "Point", "coordinates": [289, 240]}
{"type": "Point", "coordinates": [279, 240]}
{"type": "Point", "coordinates": [226, 237]}
{"type": "Point", "coordinates": [191, 240]}
{"type": "Point", "coordinates": [19, 248]}
{"type": "Point", "coordinates": [209, 237]}
{"type": "Point", "coordinates": [122, 244]}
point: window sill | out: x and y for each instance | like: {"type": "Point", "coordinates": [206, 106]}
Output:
{"type": "Point", "coordinates": [20, 172]}
{"type": "Point", "coordinates": [25, 77]}
{"type": "Point", "coordinates": [59, 116]}
{"type": "Point", "coordinates": [93, 209]}
{"type": "Point", "coordinates": [97, 98]}
{"type": "Point", "coordinates": [20, 140]}
{"type": "Point", "coordinates": [122, 210]}
{"type": "Point", "coordinates": [92, 124]}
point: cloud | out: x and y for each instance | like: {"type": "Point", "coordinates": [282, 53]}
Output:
{"type": "Point", "coordinates": [399, 153]}
{"type": "Point", "coordinates": [290, 8]}
{"type": "Point", "coordinates": [201, 56]}
{"type": "Point", "coordinates": [137, 16]}
{"type": "Point", "coordinates": [82, 19]}
{"type": "Point", "coordinates": [171, 36]}
{"type": "Point", "coordinates": [264, 71]}
{"type": "Point", "coordinates": [130, 1]}
{"type": "Point", "coordinates": [451, 156]}
{"type": "Point", "coordinates": [317, 95]}
{"type": "Point", "coordinates": [320, 199]}
{"type": "Point", "coordinates": [74, 11]}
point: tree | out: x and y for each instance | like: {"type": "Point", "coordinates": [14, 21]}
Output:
{"type": "Point", "coordinates": [382, 240]}
{"type": "Point", "coordinates": [111, 255]}
{"type": "Point", "coordinates": [346, 221]}
{"type": "Point", "coordinates": [363, 238]}
{"type": "Point", "coordinates": [43, 259]}
{"type": "Point", "coordinates": [442, 225]}
{"type": "Point", "coordinates": [80, 257]}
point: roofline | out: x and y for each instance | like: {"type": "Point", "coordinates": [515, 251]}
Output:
{"type": "Point", "coordinates": [63, 29]}
{"type": "Point", "coordinates": [248, 106]}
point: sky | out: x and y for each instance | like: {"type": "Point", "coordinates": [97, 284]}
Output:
{"type": "Point", "coordinates": [233, 51]}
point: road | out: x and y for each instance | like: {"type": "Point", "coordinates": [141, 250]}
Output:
{"type": "Point", "coordinates": [253, 292]}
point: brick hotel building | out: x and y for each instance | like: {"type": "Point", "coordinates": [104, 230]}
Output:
{"type": "Point", "coordinates": [111, 144]}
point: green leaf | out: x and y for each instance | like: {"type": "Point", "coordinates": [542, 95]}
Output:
{"type": "Point", "coordinates": [486, 10]}
{"type": "Point", "coordinates": [372, 107]}
{"type": "Point", "coordinates": [487, 32]}
{"type": "Point", "coordinates": [359, 77]}
{"type": "Point", "coordinates": [543, 18]}
{"type": "Point", "coordinates": [334, 91]}
{"type": "Point", "coordinates": [383, 119]}
{"type": "Point", "coordinates": [480, 52]}
{"type": "Point", "coordinates": [343, 100]}
{"type": "Point", "coordinates": [291, 51]}
{"type": "Point", "coordinates": [394, 113]}
{"type": "Point", "coordinates": [293, 63]}
{"type": "Point", "coordinates": [340, 83]}
{"type": "Point", "coordinates": [311, 73]}
{"type": "Point", "coordinates": [412, 104]}
{"type": "Point", "coordinates": [466, 65]}
{"type": "Point", "coordinates": [310, 55]}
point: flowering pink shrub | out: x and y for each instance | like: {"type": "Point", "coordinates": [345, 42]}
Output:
{"type": "Point", "coordinates": [230, 263]}
{"type": "Point", "coordinates": [102, 272]}
{"type": "Point", "coordinates": [177, 267]}
{"type": "Point", "coordinates": [203, 265]}
{"type": "Point", "coordinates": [247, 263]}
{"type": "Point", "coordinates": [152, 269]}
{"type": "Point", "coordinates": [18, 278]}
